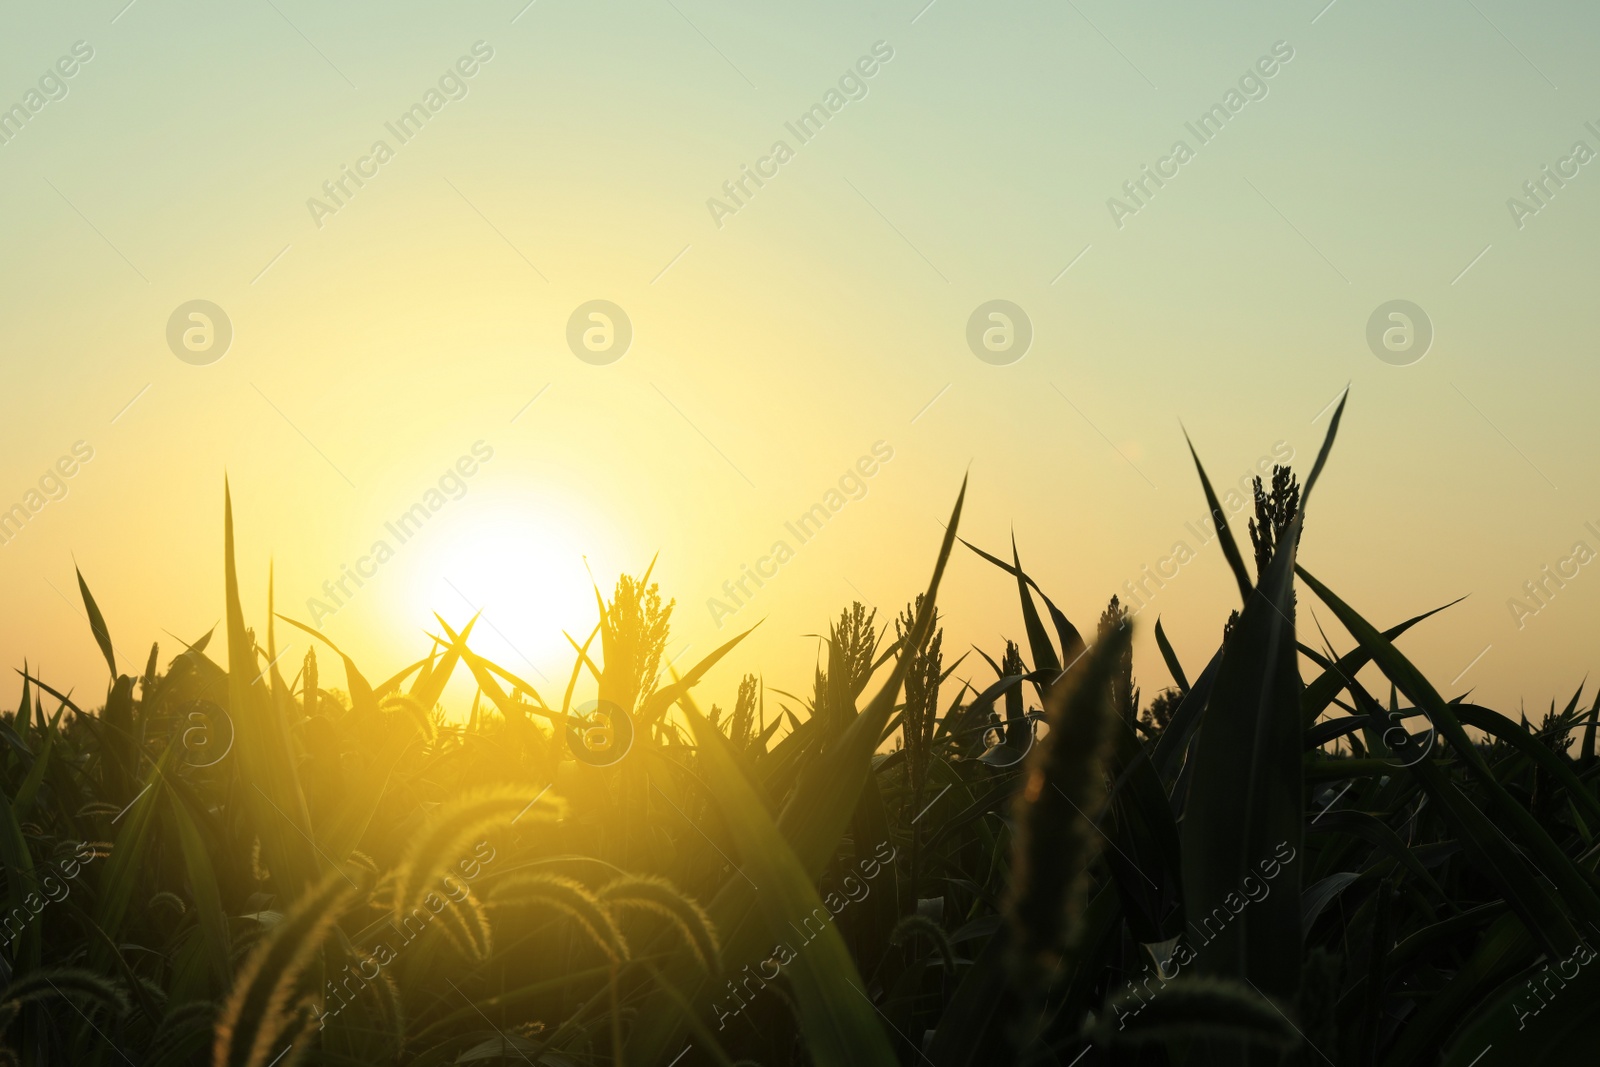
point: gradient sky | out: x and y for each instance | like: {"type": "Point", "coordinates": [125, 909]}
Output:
{"type": "Point", "coordinates": [828, 313]}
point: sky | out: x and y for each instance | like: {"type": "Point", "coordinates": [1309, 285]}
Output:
{"type": "Point", "coordinates": [418, 339]}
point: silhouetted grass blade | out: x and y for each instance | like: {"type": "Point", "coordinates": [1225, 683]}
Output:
{"type": "Point", "coordinates": [1230, 548]}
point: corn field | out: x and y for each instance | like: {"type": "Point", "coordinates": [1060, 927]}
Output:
{"type": "Point", "coordinates": [1006, 856]}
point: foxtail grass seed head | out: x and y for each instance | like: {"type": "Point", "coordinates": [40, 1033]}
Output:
{"type": "Point", "coordinates": [660, 897]}
{"type": "Point", "coordinates": [1062, 794]}
{"type": "Point", "coordinates": [455, 827]}
{"type": "Point", "coordinates": [555, 892]}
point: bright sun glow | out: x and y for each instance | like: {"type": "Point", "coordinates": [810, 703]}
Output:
{"type": "Point", "coordinates": [526, 579]}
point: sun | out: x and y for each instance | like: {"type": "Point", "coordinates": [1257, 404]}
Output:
{"type": "Point", "coordinates": [524, 576]}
